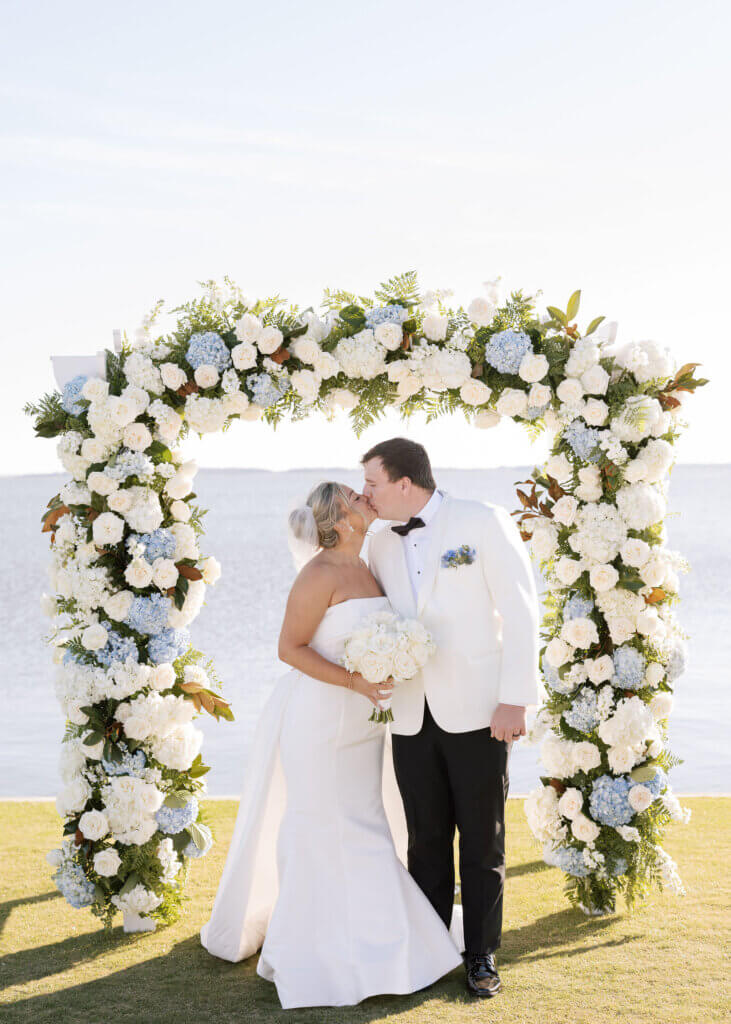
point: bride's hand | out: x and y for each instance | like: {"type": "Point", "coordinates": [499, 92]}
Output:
{"type": "Point", "coordinates": [375, 692]}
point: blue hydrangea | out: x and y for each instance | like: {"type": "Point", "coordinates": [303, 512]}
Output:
{"type": "Point", "coordinates": [676, 665]}
{"type": "Point", "coordinates": [629, 667]}
{"type": "Point", "coordinates": [533, 412]}
{"type": "Point", "coordinates": [505, 350]}
{"type": "Point", "coordinates": [264, 390]}
{"type": "Point", "coordinates": [208, 348]}
{"type": "Point", "coordinates": [71, 392]}
{"type": "Point", "coordinates": [619, 867]}
{"type": "Point", "coordinates": [657, 783]}
{"type": "Point", "coordinates": [393, 314]}
{"type": "Point", "coordinates": [577, 607]}
{"type": "Point", "coordinates": [583, 441]}
{"type": "Point", "coordinates": [117, 648]}
{"type": "Point", "coordinates": [149, 614]}
{"type": "Point", "coordinates": [583, 713]}
{"type": "Point", "coordinates": [131, 764]}
{"type": "Point", "coordinates": [608, 803]}
{"type": "Point", "coordinates": [191, 850]}
{"type": "Point", "coordinates": [129, 463]}
{"type": "Point", "coordinates": [160, 543]}
{"type": "Point", "coordinates": [553, 679]}
{"type": "Point", "coordinates": [174, 819]}
{"type": "Point", "coordinates": [73, 885]}
{"type": "Point", "coordinates": [168, 645]}
{"type": "Point", "coordinates": [569, 859]}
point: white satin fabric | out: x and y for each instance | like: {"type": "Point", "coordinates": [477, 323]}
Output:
{"type": "Point", "coordinates": [315, 874]}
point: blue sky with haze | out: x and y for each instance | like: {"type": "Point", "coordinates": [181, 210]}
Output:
{"type": "Point", "coordinates": [146, 147]}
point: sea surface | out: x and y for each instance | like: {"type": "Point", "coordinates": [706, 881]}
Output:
{"type": "Point", "coordinates": [239, 625]}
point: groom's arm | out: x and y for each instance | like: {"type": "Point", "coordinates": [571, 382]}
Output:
{"type": "Point", "coordinates": [509, 577]}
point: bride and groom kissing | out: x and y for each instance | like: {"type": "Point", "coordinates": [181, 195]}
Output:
{"type": "Point", "coordinates": [334, 809]}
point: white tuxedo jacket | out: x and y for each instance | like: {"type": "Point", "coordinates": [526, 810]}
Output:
{"type": "Point", "coordinates": [483, 618]}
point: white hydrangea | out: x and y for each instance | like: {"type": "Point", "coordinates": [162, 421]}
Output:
{"type": "Point", "coordinates": [361, 356]}
{"type": "Point", "coordinates": [641, 505]}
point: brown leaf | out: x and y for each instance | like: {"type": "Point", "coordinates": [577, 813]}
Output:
{"type": "Point", "coordinates": [557, 785]}
{"type": "Point", "coordinates": [190, 387]}
{"type": "Point", "coordinates": [78, 837]}
{"type": "Point", "coordinates": [51, 518]}
{"type": "Point", "coordinates": [406, 343]}
{"type": "Point", "coordinates": [281, 355]}
{"type": "Point", "coordinates": [477, 369]}
{"type": "Point", "coordinates": [207, 701]}
{"type": "Point", "coordinates": [555, 489]}
{"type": "Point", "coordinates": [190, 687]}
{"type": "Point", "coordinates": [656, 595]}
{"type": "Point", "coordinates": [189, 571]}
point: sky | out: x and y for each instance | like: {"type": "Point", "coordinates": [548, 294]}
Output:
{"type": "Point", "coordinates": [149, 147]}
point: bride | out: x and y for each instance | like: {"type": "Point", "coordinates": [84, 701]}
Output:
{"type": "Point", "coordinates": [313, 875]}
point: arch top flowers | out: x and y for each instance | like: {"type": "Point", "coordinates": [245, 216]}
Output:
{"type": "Point", "coordinates": [129, 578]}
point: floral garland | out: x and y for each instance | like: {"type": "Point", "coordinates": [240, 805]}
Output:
{"type": "Point", "coordinates": [128, 576]}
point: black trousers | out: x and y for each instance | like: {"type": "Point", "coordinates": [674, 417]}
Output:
{"type": "Point", "coordinates": [448, 780]}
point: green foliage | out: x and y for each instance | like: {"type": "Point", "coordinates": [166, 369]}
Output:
{"type": "Point", "coordinates": [403, 290]}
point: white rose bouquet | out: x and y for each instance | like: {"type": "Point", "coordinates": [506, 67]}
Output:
{"type": "Point", "coordinates": [386, 646]}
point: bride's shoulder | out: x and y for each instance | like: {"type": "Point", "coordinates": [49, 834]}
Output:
{"type": "Point", "coordinates": [317, 575]}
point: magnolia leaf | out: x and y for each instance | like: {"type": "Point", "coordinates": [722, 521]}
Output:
{"type": "Point", "coordinates": [593, 325]}
{"type": "Point", "coordinates": [197, 835]}
{"type": "Point", "coordinates": [189, 571]}
{"type": "Point", "coordinates": [573, 305]}
{"type": "Point", "coordinates": [644, 773]}
{"type": "Point", "coordinates": [655, 596]}
{"type": "Point", "coordinates": [557, 314]}
{"type": "Point", "coordinates": [50, 519]}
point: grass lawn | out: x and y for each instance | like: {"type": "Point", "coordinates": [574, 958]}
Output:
{"type": "Point", "coordinates": [662, 964]}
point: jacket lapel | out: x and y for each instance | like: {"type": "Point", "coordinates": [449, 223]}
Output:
{"type": "Point", "coordinates": [431, 564]}
{"type": "Point", "coordinates": [399, 568]}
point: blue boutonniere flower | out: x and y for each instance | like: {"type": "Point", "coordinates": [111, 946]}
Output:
{"type": "Point", "coordinates": [458, 556]}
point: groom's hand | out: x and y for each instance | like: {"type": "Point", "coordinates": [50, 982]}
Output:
{"type": "Point", "coordinates": [507, 720]}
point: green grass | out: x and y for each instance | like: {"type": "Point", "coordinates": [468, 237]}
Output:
{"type": "Point", "coordinates": [662, 964]}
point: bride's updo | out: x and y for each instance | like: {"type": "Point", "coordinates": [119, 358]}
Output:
{"type": "Point", "coordinates": [312, 525]}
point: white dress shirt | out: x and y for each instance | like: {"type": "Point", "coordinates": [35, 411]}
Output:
{"type": "Point", "coordinates": [416, 542]}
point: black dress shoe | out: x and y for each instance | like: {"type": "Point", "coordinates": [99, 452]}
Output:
{"type": "Point", "coordinates": [482, 976]}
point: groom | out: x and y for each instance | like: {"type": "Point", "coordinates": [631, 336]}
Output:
{"type": "Point", "coordinates": [460, 567]}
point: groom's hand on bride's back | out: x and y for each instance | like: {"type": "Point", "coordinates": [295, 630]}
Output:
{"type": "Point", "coordinates": [508, 722]}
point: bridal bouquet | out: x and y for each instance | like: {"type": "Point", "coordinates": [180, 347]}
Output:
{"type": "Point", "coordinates": [387, 646]}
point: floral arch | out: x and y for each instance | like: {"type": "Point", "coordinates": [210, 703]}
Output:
{"type": "Point", "coordinates": [128, 576]}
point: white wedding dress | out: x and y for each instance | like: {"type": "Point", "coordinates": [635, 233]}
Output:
{"type": "Point", "coordinates": [316, 866]}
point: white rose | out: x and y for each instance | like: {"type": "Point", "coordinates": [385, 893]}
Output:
{"type": "Point", "coordinates": [404, 666]}
{"type": "Point", "coordinates": [435, 327]}
{"type": "Point", "coordinates": [95, 389]}
{"type": "Point", "coordinates": [474, 392]}
{"type": "Point", "coordinates": [137, 437]}
{"type": "Point", "coordinates": [640, 798]}
{"type": "Point", "coordinates": [539, 395]}
{"type": "Point", "coordinates": [374, 667]}
{"type": "Point", "coordinates": [269, 340]}
{"type": "Point", "coordinates": [107, 862]}
{"type": "Point", "coordinates": [603, 577]}
{"type": "Point", "coordinates": [244, 355]}
{"type": "Point", "coordinates": [94, 637]}
{"type": "Point", "coordinates": [138, 573]}
{"type": "Point", "coordinates": [559, 467]}
{"type": "Point", "coordinates": [595, 380]}
{"type": "Point", "coordinates": [649, 624]}
{"type": "Point", "coordinates": [206, 376]}
{"type": "Point", "coordinates": [533, 367]}
{"type": "Point", "coordinates": [118, 605]}
{"type": "Point", "coordinates": [137, 727]}
{"type": "Point", "coordinates": [586, 756]}
{"type": "Point", "coordinates": [93, 449]}
{"type": "Point", "coordinates": [486, 419]}
{"type": "Point", "coordinates": [173, 376]}
{"type": "Point", "coordinates": [120, 501]}
{"type": "Point", "coordinates": [101, 483]}
{"type": "Point", "coordinates": [306, 384]}
{"type": "Point", "coordinates": [180, 511]}
{"type": "Point", "coordinates": [248, 328]}
{"type": "Point", "coordinates": [481, 311]}
{"type": "Point", "coordinates": [654, 673]}
{"type": "Point", "coordinates": [579, 632]}
{"type": "Point", "coordinates": [635, 552]}
{"type": "Point", "coordinates": [601, 669]}
{"type": "Point", "coordinates": [343, 397]}
{"type": "Point", "coordinates": [570, 391]}
{"type": "Point", "coordinates": [211, 569]}
{"type": "Point", "coordinates": [390, 336]}
{"type": "Point", "coordinates": [544, 541]}
{"type": "Point", "coordinates": [570, 802]}
{"type": "Point", "coordinates": [107, 529]}
{"type": "Point", "coordinates": [653, 572]}
{"type": "Point", "coordinates": [584, 829]}
{"type": "Point", "coordinates": [94, 825]}
{"type": "Point", "coordinates": [661, 705]}
{"type": "Point", "coordinates": [164, 573]}
{"type": "Point", "coordinates": [122, 410]}
{"type": "Point", "coordinates": [565, 509]}
{"type": "Point", "coordinates": [621, 759]}
{"type": "Point", "coordinates": [635, 471]}
{"type": "Point", "coordinates": [557, 652]}
{"type": "Point", "coordinates": [595, 412]}
{"type": "Point", "coordinates": [512, 402]}
{"type": "Point", "coordinates": [179, 486]}
{"type": "Point", "coordinates": [568, 570]}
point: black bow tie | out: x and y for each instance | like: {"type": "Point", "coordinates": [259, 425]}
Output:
{"type": "Point", "coordinates": [413, 524]}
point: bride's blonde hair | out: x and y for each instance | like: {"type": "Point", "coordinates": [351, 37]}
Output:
{"type": "Point", "coordinates": [312, 525]}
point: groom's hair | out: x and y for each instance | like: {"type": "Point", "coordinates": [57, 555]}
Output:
{"type": "Point", "coordinates": [401, 457]}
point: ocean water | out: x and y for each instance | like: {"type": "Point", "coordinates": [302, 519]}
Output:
{"type": "Point", "coordinates": [239, 625]}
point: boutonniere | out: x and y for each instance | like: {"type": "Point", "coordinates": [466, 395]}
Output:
{"type": "Point", "coordinates": [458, 556]}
